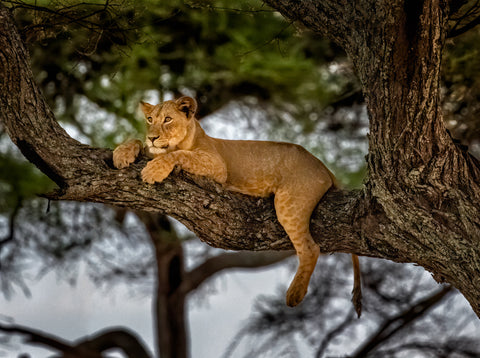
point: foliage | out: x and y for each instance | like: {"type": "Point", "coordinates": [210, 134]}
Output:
{"type": "Point", "coordinates": [215, 52]}
{"type": "Point", "coordinates": [19, 181]}
{"type": "Point", "coordinates": [461, 69]}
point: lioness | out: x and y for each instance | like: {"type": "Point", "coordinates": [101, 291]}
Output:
{"type": "Point", "coordinates": [259, 168]}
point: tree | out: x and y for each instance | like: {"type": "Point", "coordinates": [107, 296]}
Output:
{"type": "Point", "coordinates": [418, 204]}
{"type": "Point", "coordinates": [174, 281]}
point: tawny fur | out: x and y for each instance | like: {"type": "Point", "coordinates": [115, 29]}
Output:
{"type": "Point", "coordinates": [258, 168]}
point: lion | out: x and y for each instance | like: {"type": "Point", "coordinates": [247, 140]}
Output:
{"type": "Point", "coordinates": [296, 178]}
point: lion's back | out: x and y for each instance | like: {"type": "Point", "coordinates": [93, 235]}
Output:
{"type": "Point", "coordinates": [262, 167]}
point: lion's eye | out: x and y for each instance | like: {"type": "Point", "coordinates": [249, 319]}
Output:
{"type": "Point", "coordinates": [168, 119]}
{"type": "Point", "coordinates": [149, 119]}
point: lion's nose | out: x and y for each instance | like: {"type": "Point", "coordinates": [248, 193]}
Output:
{"type": "Point", "coordinates": [152, 139]}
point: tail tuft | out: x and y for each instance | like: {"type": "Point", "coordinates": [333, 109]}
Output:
{"type": "Point", "coordinates": [357, 286]}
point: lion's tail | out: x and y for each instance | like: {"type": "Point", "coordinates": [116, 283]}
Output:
{"type": "Point", "coordinates": [357, 286]}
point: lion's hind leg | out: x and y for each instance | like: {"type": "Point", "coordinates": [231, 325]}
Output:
{"type": "Point", "coordinates": [293, 212]}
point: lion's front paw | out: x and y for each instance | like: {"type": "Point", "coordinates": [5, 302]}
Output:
{"type": "Point", "coordinates": [126, 153]}
{"type": "Point", "coordinates": [156, 170]}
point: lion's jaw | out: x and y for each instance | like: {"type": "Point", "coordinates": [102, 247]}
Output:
{"type": "Point", "coordinates": [153, 151]}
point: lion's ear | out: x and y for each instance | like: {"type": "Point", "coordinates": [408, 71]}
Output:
{"type": "Point", "coordinates": [188, 105]}
{"type": "Point", "coordinates": [146, 107]}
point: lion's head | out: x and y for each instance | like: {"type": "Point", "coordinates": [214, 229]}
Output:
{"type": "Point", "coordinates": [168, 124]}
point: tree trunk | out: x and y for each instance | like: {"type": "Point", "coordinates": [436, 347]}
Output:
{"type": "Point", "coordinates": [419, 204]}
{"type": "Point", "coordinates": [169, 304]}
{"type": "Point", "coordinates": [169, 301]}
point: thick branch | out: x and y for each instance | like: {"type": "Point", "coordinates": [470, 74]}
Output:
{"type": "Point", "coordinates": [221, 218]}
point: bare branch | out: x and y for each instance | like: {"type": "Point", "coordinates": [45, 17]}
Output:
{"type": "Point", "coordinates": [230, 261]}
{"type": "Point", "coordinates": [401, 321]}
{"type": "Point", "coordinates": [88, 347]}
{"type": "Point", "coordinates": [349, 317]}
{"type": "Point", "coordinates": [470, 25]}
{"type": "Point", "coordinates": [50, 341]}
{"type": "Point", "coordinates": [13, 216]}
{"type": "Point", "coordinates": [115, 337]}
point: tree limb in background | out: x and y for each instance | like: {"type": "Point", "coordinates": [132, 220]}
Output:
{"type": "Point", "coordinates": [397, 323]}
{"type": "Point", "coordinates": [229, 261]}
{"type": "Point", "coordinates": [87, 347]}
{"type": "Point", "coordinates": [465, 15]}
{"type": "Point", "coordinates": [349, 317]}
{"type": "Point", "coordinates": [11, 223]}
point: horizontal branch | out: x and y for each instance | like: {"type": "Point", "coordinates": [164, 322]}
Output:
{"type": "Point", "coordinates": [36, 337]}
{"type": "Point", "coordinates": [87, 347]}
{"type": "Point", "coordinates": [345, 221]}
{"type": "Point", "coordinates": [219, 217]}
{"type": "Point", "coordinates": [230, 261]}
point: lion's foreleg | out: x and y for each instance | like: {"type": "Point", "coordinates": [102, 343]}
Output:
{"type": "Point", "coordinates": [126, 153]}
{"type": "Point", "coordinates": [195, 162]}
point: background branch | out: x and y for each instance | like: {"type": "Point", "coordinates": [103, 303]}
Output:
{"type": "Point", "coordinates": [87, 347]}
{"type": "Point", "coordinates": [401, 321]}
{"type": "Point", "coordinates": [226, 261]}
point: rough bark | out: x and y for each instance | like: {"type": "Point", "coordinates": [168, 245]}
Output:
{"type": "Point", "coordinates": [419, 204]}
